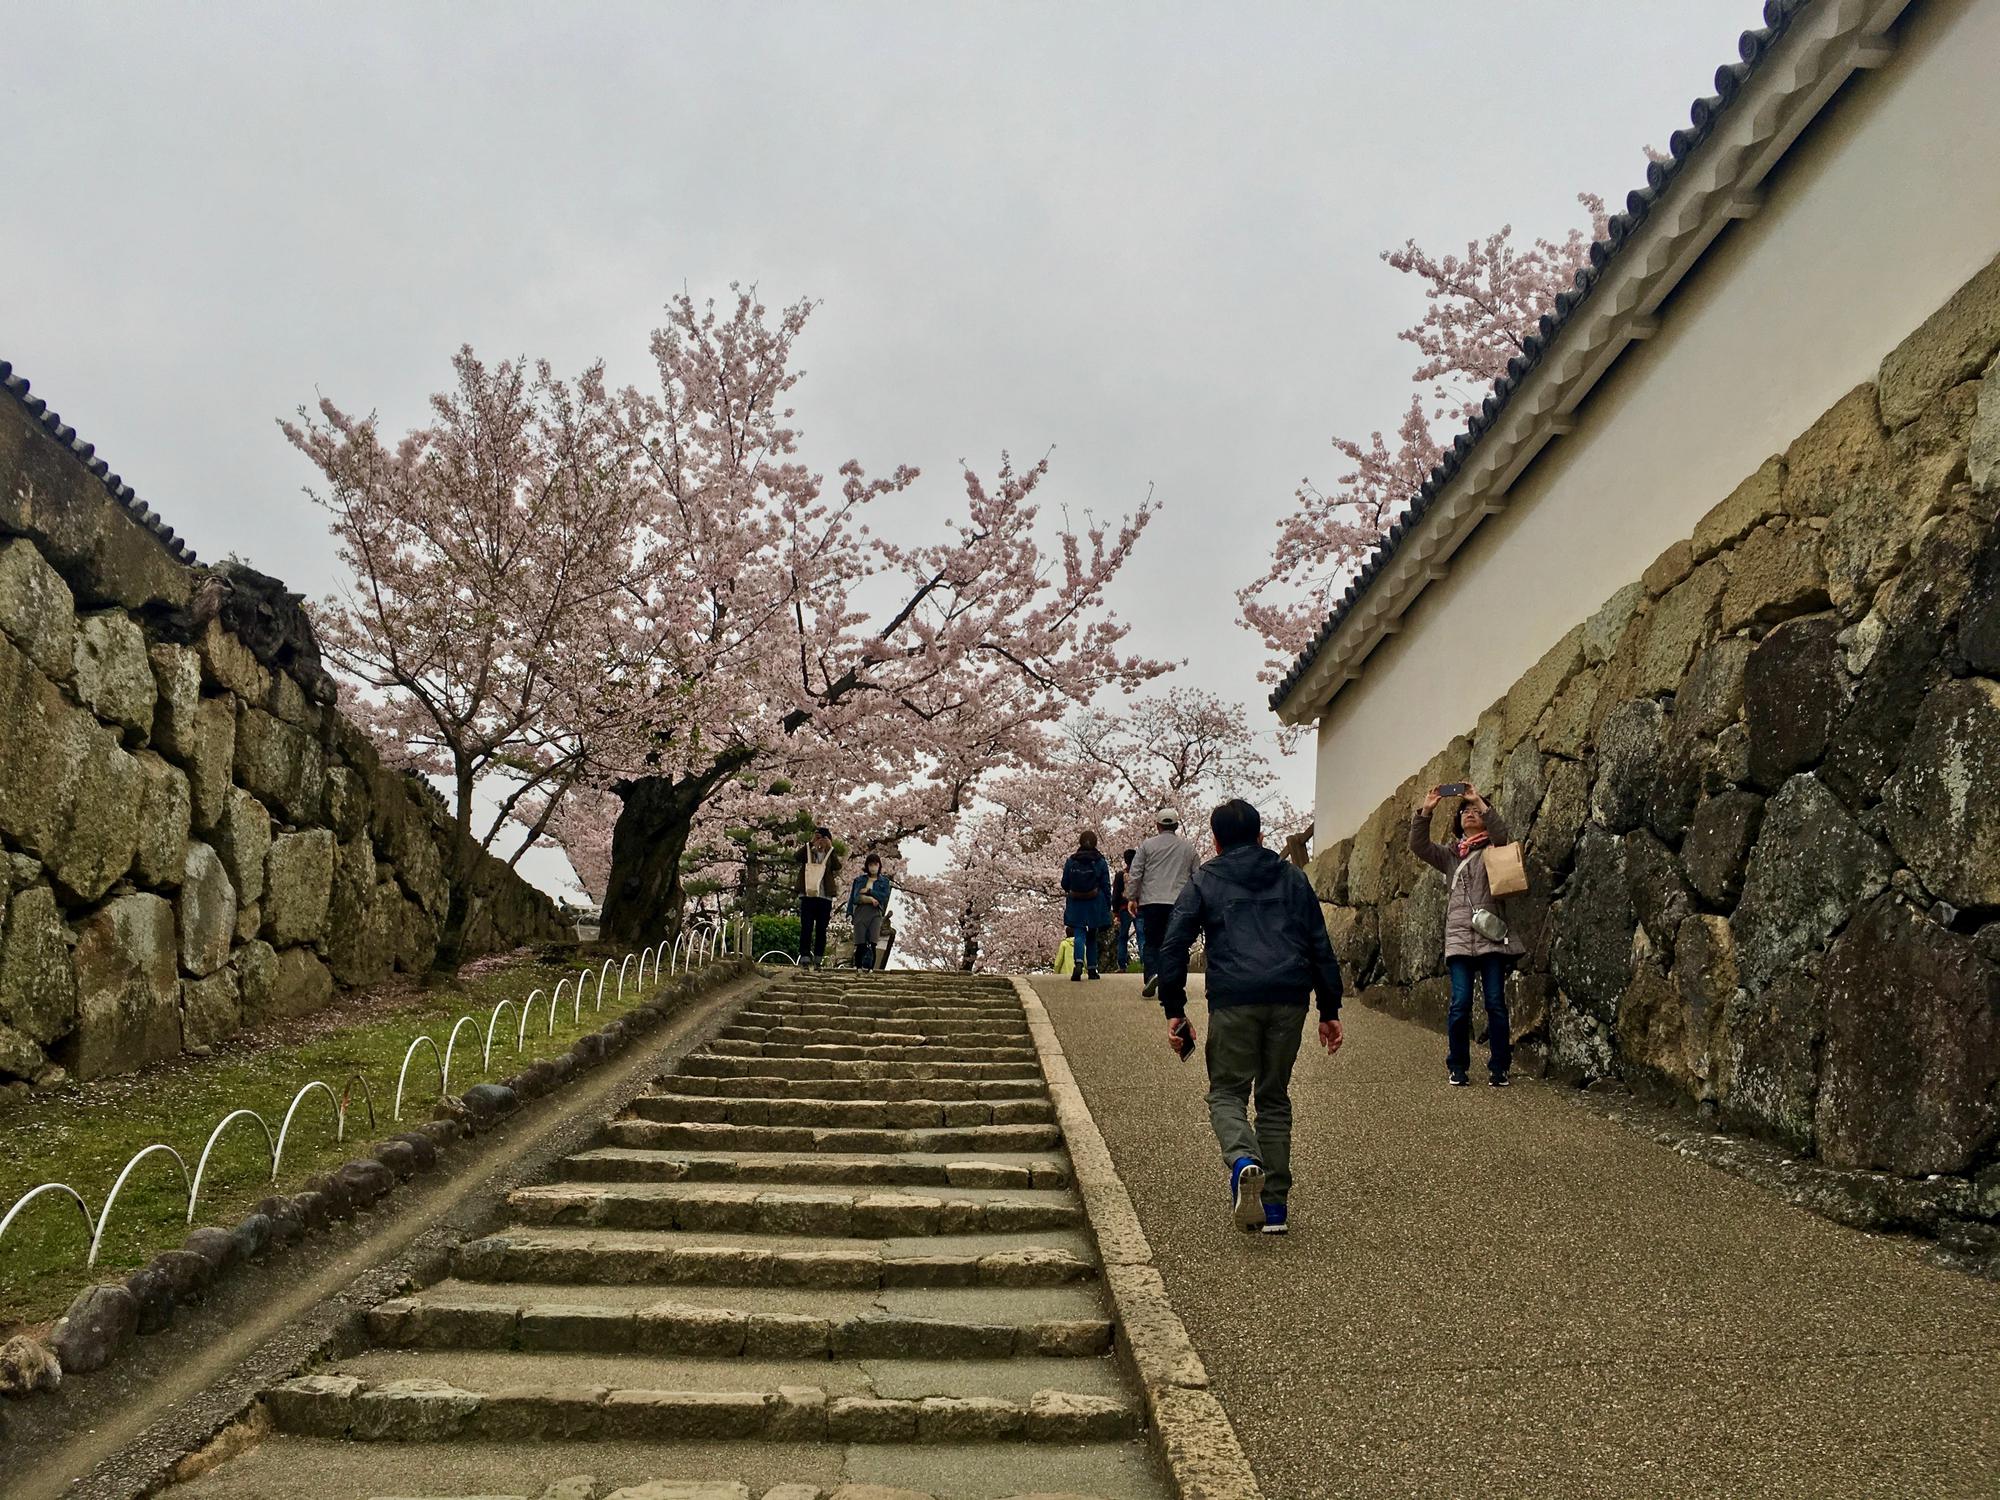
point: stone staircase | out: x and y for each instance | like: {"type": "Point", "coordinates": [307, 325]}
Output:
{"type": "Point", "coordinates": [839, 1249]}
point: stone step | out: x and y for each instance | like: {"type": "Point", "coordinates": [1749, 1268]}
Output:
{"type": "Point", "coordinates": [770, 1085]}
{"type": "Point", "coordinates": [850, 1027]}
{"type": "Point", "coordinates": [864, 1034]}
{"type": "Point", "coordinates": [863, 1213]}
{"type": "Point", "coordinates": [910, 1169]}
{"type": "Point", "coordinates": [609, 1256]}
{"type": "Point", "coordinates": [300, 1468]}
{"type": "Point", "coordinates": [802, 1108]}
{"type": "Point", "coordinates": [923, 1015]}
{"type": "Point", "coordinates": [717, 1065]}
{"type": "Point", "coordinates": [849, 1052]}
{"type": "Point", "coordinates": [433, 1410]}
{"type": "Point", "coordinates": [658, 1134]}
{"type": "Point", "coordinates": [1050, 1322]}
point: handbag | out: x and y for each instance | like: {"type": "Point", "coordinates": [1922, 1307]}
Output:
{"type": "Point", "coordinates": [1506, 875]}
{"type": "Point", "coordinates": [1488, 923]}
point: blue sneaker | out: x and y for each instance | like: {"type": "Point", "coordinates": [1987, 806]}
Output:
{"type": "Point", "coordinates": [1246, 1189]}
{"type": "Point", "coordinates": [1275, 1221]}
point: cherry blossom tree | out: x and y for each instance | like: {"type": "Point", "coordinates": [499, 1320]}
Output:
{"type": "Point", "coordinates": [1482, 306]}
{"type": "Point", "coordinates": [754, 644]}
{"type": "Point", "coordinates": [488, 552]}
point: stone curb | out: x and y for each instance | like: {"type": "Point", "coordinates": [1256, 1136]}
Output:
{"type": "Point", "coordinates": [1191, 1431]}
{"type": "Point", "coordinates": [105, 1317]}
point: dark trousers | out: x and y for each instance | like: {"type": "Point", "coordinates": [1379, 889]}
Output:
{"type": "Point", "coordinates": [1121, 941]}
{"type": "Point", "coordinates": [1250, 1052]}
{"type": "Point", "coordinates": [1152, 933]}
{"type": "Point", "coordinates": [814, 913]}
{"type": "Point", "coordinates": [1491, 971]}
{"type": "Point", "coordinates": [1083, 947]}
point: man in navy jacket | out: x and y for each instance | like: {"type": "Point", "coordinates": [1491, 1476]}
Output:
{"type": "Point", "coordinates": [1268, 954]}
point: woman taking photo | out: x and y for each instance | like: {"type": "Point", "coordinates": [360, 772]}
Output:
{"type": "Point", "coordinates": [1477, 944]}
{"type": "Point", "coordinates": [1086, 887]}
{"type": "Point", "coordinates": [867, 905]}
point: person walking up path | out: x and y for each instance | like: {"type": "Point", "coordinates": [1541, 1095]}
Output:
{"type": "Point", "coordinates": [1268, 954]}
{"type": "Point", "coordinates": [1086, 887]}
{"type": "Point", "coordinates": [1472, 918]}
{"type": "Point", "coordinates": [819, 883]}
{"type": "Point", "coordinates": [867, 909]}
{"type": "Point", "coordinates": [1121, 912]}
{"type": "Point", "coordinates": [1159, 870]}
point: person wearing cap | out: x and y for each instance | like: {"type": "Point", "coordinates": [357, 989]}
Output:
{"type": "Point", "coordinates": [1159, 870]}
{"type": "Point", "coordinates": [819, 883]}
{"type": "Point", "coordinates": [1268, 955]}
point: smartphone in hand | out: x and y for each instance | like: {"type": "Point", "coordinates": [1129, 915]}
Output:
{"type": "Point", "coordinates": [1180, 1034]}
{"type": "Point", "coordinates": [1451, 789]}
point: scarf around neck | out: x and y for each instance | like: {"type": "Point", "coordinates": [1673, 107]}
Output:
{"type": "Point", "coordinates": [1473, 841]}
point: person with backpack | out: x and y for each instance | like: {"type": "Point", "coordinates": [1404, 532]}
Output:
{"type": "Point", "coordinates": [1268, 955]}
{"type": "Point", "coordinates": [1477, 944]}
{"type": "Point", "coordinates": [1121, 913]}
{"type": "Point", "coordinates": [1086, 888]}
{"type": "Point", "coordinates": [1159, 870]}
{"type": "Point", "coordinates": [819, 882]}
{"type": "Point", "coordinates": [867, 906]}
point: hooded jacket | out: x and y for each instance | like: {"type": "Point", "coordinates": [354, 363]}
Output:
{"type": "Point", "coordinates": [1267, 942]}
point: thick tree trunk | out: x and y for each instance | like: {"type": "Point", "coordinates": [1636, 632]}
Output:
{"type": "Point", "coordinates": [643, 901]}
{"type": "Point", "coordinates": [458, 909]}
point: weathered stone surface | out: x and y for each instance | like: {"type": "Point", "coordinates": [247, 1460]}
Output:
{"type": "Point", "coordinates": [1811, 868]}
{"type": "Point", "coordinates": [1940, 808]}
{"type": "Point", "coordinates": [1594, 927]}
{"type": "Point", "coordinates": [26, 1366]}
{"type": "Point", "coordinates": [212, 761]}
{"type": "Point", "coordinates": [1565, 728]}
{"type": "Point", "coordinates": [1770, 1074]}
{"type": "Point", "coordinates": [1982, 460]}
{"type": "Point", "coordinates": [1564, 807]}
{"type": "Point", "coordinates": [1522, 786]}
{"type": "Point", "coordinates": [281, 764]}
{"type": "Point", "coordinates": [346, 802]}
{"type": "Point", "coordinates": [113, 675]}
{"type": "Point", "coordinates": [1364, 872]}
{"type": "Point", "coordinates": [229, 666]}
{"type": "Point", "coordinates": [1952, 344]}
{"type": "Point", "coordinates": [1628, 750]}
{"type": "Point", "coordinates": [1911, 1080]}
{"type": "Point", "coordinates": [1652, 1028]}
{"type": "Point", "coordinates": [1660, 895]}
{"type": "Point", "coordinates": [291, 983]}
{"type": "Point", "coordinates": [1413, 932]}
{"type": "Point", "coordinates": [1327, 870]}
{"type": "Point", "coordinates": [364, 919]}
{"type": "Point", "coordinates": [1351, 930]}
{"type": "Point", "coordinates": [211, 1009]}
{"type": "Point", "coordinates": [1979, 620]}
{"type": "Point", "coordinates": [243, 839]}
{"type": "Point", "coordinates": [101, 1321]}
{"type": "Point", "coordinates": [165, 811]}
{"type": "Point", "coordinates": [1668, 569]}
{"type": "Point", "coordinates": [1870, 535]}
{"type": "Point", "coordinates": [1525, 702]}
{"type": "Point", "coordinates": [1688, 769]}
{"type": "Point", "coordinates": [1678, 625]}
{"type": "Point", "coordinates": [1483, 759]}
{"type": "Point", "coordinates": [1794, 695]}
{"type": "Point", "coordinates": [128, 987]}
{"type": "Point", "coordinates": [1604, 630]}
{"type": "Point", "coordinates": [1718, 843]}
{"type": "Point", "coordinates": [207, 911]}
{"type": "Point", "coordinates": [1705, 970]}
{"type": "Point", "coordinates": [20, 1057]}
{"type": "Point", "coordinates": [37, 980]}
{"type": "Point", "coordinates": [37, 609]}
{"type": "Point", "coordinates": [1930, 454]}
{"type": "Point", "coordinates": [177, 685]}
{"type": "Point", "coordinates": [1844, 454]}
{"type": "Point", "coordinates": [1746, 507]}
{"type": "Point", "coordinates": [100, 833]}
{"type": "Point", "coordinates": [1868, 745]}
{"type": "Point", "coordinates": [1710, 698]}
{"type": "Point", "coordinates": [152, 1288]}
{"type": "Point", "coordinates": [1777, 574]}
{"type": "Point", "coordinates": [298, 885]}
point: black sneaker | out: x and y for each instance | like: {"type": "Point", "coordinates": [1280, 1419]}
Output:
{"type": "Point", "coordinates": [1458, 1080]}
{"type": "Point", "coordinates": [1152, 986]}
{"type": "Point", "coordinates": [1498, 1080]}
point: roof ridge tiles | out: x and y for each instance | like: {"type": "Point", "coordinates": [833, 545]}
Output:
{"type": "Point", "coordinates": [17, 386]}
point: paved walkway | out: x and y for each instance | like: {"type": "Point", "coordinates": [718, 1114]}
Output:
{"type": "Point", "coordinates": [1500, 1293]}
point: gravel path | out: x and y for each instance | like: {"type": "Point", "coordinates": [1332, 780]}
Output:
{"type": "Point", "coordinates": [1502, 1293]}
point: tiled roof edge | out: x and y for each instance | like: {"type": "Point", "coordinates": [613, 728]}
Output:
{"type": "Point", "coordinates": [1752, 48]}
{"type": "Point", "coordinates": [16, 386]}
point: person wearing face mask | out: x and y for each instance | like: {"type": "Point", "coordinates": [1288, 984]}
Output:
{"type": "Point", "coordinates": [867, 909]}
{"type": "Point", "coordinates": [1477, 945]}
{"type": "Point", "coordinates": [819, 883]}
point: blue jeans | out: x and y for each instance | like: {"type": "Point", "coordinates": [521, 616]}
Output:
{"type": "Point", "coordinates": [1492, 972]}
{"type": "Point", "coordinates": [1122, 940]}
{"type": "Point", "coordinates": [1085, 949]}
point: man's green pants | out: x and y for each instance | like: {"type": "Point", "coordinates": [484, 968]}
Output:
{"type": "Point", "coordinates": [1250, 1052]}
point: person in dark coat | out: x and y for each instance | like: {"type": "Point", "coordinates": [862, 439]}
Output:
{"type": "Point", "coordinates": [1086, 887]}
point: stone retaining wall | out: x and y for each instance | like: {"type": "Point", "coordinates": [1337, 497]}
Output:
{"type": "Point", "coordinates": [192, 838]}
{"type": "Point", "coordinates": [1759, 790]}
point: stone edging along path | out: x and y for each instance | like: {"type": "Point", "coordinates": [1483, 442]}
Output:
{"type": "Point", "coordinates": [1193, 1433]}
{"type": "Point", "coordinates": [107, 1316]}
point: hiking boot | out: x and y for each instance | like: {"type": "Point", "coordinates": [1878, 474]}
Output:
{"type": "Point", "coordinates": [1246, 1191]}
{"type": "Point", "coordinates": [1276, 1221]}
{"type": "Point", "coordinates": [1458, 1080]}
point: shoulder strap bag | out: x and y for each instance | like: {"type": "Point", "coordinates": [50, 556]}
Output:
{"type": "Point", "coordinates": [1506, 875]}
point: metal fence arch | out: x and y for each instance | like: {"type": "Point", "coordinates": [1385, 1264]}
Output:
{"type": "Point", "coordinates": [201, 1166]}
{"type": "Point", "coordinates": [339, 1119]}
{"type": "Point", "coordinates": [104, 1218]}
{"type": "Point", "coordinates": [89, 1223]}
{"type": "Point", "coordinates": [437, 1056]}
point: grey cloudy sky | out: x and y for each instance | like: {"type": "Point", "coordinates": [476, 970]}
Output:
{"type": "Point", "coordinates": [1146, 234]}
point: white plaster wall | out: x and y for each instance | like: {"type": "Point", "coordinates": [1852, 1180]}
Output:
{"type": "Point", "coordinates": [1886, 207]}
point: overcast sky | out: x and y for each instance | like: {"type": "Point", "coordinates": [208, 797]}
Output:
{"type": "Point", "coordinates": [1145, 234]}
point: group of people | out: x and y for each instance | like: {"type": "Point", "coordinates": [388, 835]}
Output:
{"type": "Point", "coordinates": [1269, 958]}
{"type": "Point", "coordinates": [867, 905]}
{"type": "Point", "coordinates": [1101, 909]}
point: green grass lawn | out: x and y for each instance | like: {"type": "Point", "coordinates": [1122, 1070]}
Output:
{"type": "Point", "coordinates": [84, 1135]}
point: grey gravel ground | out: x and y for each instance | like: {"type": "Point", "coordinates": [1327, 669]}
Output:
{"type": "Point", "coordinates": [1504, 1294]}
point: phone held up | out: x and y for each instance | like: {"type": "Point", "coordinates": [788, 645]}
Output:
{"type": "Point", "coordinates": [1452, 789]}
